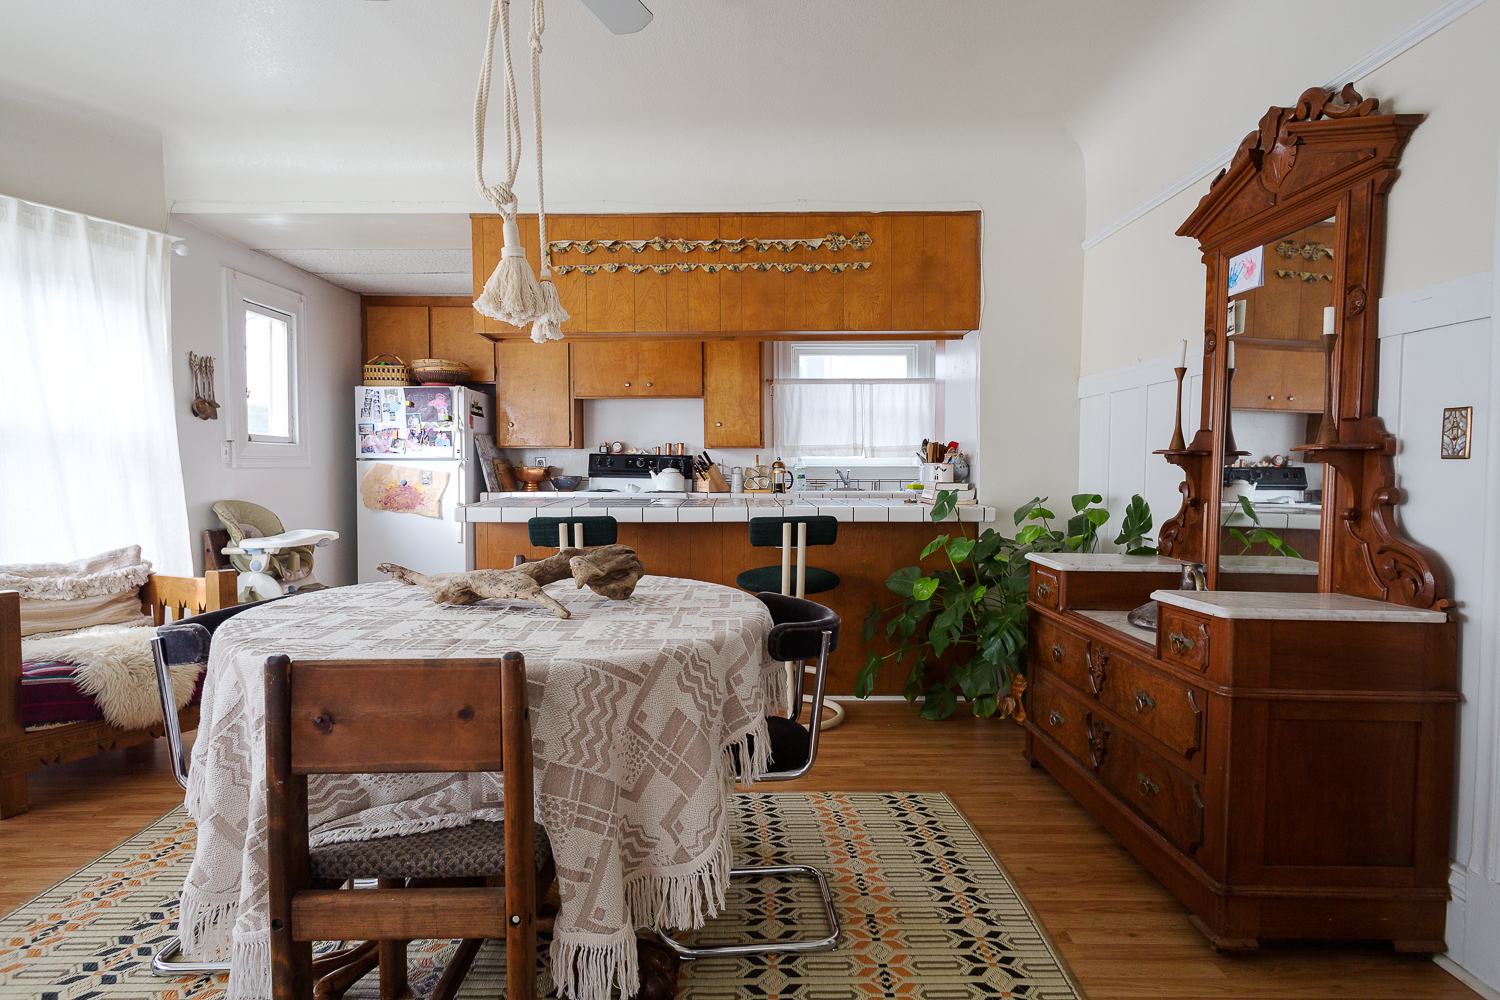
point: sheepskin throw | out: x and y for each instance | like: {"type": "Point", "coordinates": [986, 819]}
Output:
{"type": "Point", "coordinates": [116, 670]}
{"type": "Point", "coordinates": [99, 590]}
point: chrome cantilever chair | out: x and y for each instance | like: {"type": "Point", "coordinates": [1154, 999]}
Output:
{"type": "Point", "coordinates": [176, 643]}
{"type": "Point", "coordinates": [803, 631]}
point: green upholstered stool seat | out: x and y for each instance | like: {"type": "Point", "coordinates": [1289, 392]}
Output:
{"type": "Point", "coordinates": [597, 530]}
{"type": "Point", "coordinates": [767, 579]}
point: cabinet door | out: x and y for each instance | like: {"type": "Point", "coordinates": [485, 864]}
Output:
{"type": "Point", "coordinates": [1275, 378]}
{"type": "Point", "coordinates": [398, 330]}
{"type": "Point", "coordinates": [604, 369]}
{"type": "Point", "coordinates": [532, 404]}
{"type": "Point", "coordinates": [454, 339]}
{"type": "Point", "coordinates": [733, 413]}
{"type": "Point", "coordinates": [669, 368]}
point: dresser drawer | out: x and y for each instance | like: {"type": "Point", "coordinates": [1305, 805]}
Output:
{"type": "Point", "coordinates": [1044, 587]}
{"type": "Point", "coordinates": [1059, 716]}
{"type": "Point", "coordinates": [1182, 637]}
{"type": "Point", "coordinates": [1059, 651]}
{"type": "Point", "coordinates": [1167, 709]}
{"type": "Point", "coordinates": [1165, 797]}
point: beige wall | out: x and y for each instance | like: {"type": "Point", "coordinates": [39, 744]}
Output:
{"type": "Point", "coordinates": [1143, 286]}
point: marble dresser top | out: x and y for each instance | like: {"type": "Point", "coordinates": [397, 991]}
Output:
{"type": "Point", "coordinates": [1281, 565]}
{"type": "Point", "coordinates": [1105, 562]}
{"type": "Point", "coordinates": [1292, 607]}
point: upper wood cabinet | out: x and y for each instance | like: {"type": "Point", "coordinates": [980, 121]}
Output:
{"type": "Point", "coordinates": [533, 407]}
{"type": "Point", "coordinates": [622, 369]}
{"type": "Point", "coordinates": [427, 327]}
{"type": "Point", "coordinates": [923, 275]}
{"type": "Point", "coordinates": [733, 403]}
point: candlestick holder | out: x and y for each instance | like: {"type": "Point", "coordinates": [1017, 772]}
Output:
{"type": "Point", "coordinates": [1230, 448]}
{"type": "Point", "coordinates": [1178, 443]}
{"type": "Point", "coordinates": [1328, 433]}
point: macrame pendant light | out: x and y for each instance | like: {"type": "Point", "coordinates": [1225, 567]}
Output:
{"type": "Point", "coordinates": [513, 294]}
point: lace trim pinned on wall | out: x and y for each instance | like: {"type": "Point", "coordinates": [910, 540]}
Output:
{"type": "Point", "coordinates": [833, 241]}
{"type": "Point", "coordinates": [713, 267]}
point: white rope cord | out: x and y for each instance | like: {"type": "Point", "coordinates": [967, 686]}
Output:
{"type": "Point", "coordinates": [538, 25]}
{"type": "Point", "coordinates": [501, 195]}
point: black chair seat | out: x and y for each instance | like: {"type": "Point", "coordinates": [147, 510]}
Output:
{"type": "Point", "coordinates": [598, 530]}
{"type": "Point", "coordinates": [456, 852]}
{"type": "Point", "coordinates": [791, 745]}
{"type": "Point", "coordinates": [768, 578]}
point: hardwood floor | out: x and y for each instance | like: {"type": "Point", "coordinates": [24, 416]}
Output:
{"type": "Point", "coordinates": [1122, 933]}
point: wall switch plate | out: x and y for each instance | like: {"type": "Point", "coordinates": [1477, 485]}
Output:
{"type": "Point", "coordinates": [540, 462]}
{"type": "Point", "coordinates": [224, 454]}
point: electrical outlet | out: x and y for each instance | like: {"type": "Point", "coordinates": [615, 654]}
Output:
{"type": "Point", "coordinates": [540, 462]}
{"type": "Point", "coordinates": [224, 454]}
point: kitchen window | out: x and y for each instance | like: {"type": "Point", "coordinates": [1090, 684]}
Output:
{"type": "Point", "coordinates": [262, 347]}
{"type": "Point", "coordinates": [854, 399]}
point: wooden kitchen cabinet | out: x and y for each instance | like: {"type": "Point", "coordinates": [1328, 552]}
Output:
{"type": "Point", "coordinates": [733, 408]}
{"type": "Point", "coordinates": [427, 327]}
{"type": "Point", "coordinates": [630, 369]}
{"type": "Point", "coordinates": [533, 405]}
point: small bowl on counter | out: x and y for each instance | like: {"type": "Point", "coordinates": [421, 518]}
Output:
{"type": "Point", "coordinates": [566, 484]}
{"type": "Point", "coordinates": [533, 476]}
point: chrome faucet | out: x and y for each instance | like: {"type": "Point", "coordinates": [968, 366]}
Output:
{"type": "Point", "coordinates": [1193, 577]}
{"type": "Point", "coordinates": [846, 481]}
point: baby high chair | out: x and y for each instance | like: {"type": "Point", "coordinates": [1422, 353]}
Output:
{"type": "Point", "coordinates": [271, 560]}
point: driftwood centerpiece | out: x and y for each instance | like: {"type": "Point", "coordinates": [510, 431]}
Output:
{"type": "Point", "coordinates": [608, 570]}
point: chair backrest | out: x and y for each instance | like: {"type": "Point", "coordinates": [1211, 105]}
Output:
{"type": "Point", "coordinates": [767, 531]}
{"type": "Point", "coordinates": [215, 541]}
{"type": "Point", "coordinates": [597, 530]}
{"type": "Point", "coordinates": [803, 630]}
{"type": "Point", "coordinates": [173, 598]}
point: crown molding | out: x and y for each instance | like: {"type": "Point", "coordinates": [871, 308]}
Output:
{"type": "Point", "coordinates": [1436, 21]}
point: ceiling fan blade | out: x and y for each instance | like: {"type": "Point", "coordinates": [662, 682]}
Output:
{"type": "Point", "coordinates": [623, 17]}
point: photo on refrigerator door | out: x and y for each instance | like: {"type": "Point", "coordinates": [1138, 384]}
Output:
{"type": "Point", "coordinates": [431, 404]}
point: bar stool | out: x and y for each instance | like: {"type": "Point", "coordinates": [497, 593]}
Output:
{"type": "Point", "coordinates": [586, 531]}
{"type": "Point", "coordinates": [767, 532]}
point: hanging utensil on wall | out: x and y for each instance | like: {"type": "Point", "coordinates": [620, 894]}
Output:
{"type": "Point", "coordinates": [199, 407]}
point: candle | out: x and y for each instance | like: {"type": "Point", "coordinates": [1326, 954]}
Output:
{"type": "Point", "coordinates": [1182, 360]}
{"type": "Point", "coordinates": [1231, 354]}
{"type": "Point", "coordinates": [1328, 321]}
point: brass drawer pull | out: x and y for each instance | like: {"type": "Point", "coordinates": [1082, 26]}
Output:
{"type": "Point", "coordinates": [1143, 701]}
{"type": "Point", "coordinates": [1057, 652]}
{"type": "Point", "coordinates": [1043, 590]}
{"type": "Point", "coordinates": [1056, 718]}
{"type": "Point", "coordinates": [1180, 642]}
{"type": "Point", "coordinates": [1147, 786]}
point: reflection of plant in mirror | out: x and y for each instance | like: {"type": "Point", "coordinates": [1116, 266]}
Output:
{"type": "Point", "coordinates": [1259, 534]}
{"type": "Point", "coordinates": [977, 607]}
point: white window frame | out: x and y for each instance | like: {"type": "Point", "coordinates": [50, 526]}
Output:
{"type": "Point", "coordinates": [241, 290]}
{"type": "Point", "coordinates": [922, 368]}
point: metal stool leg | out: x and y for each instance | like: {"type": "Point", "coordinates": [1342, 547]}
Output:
{"type": "Point", "coordinates": [774, 947]}
{"type": "Point", "coordinates": [166, 963]}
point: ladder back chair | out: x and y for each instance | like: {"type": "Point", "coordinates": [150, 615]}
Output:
{"type": "Point", "coordinates": [401, 717]}
{"type": "Point", "coordinates": [803, 631]}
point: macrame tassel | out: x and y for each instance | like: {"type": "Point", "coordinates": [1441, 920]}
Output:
{"type": "Point", "coordinates": [512, 295]}
{"type": "Point", "coordinates": [548, 325]}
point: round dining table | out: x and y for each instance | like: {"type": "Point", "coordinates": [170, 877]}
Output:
{"type": "Point", "coordinates": [637, 707]}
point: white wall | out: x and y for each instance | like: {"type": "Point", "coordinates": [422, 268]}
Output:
{"type": "Point", "coordinates": [319, 496]}
{"type": "Point", "coordinates": [86, 161]}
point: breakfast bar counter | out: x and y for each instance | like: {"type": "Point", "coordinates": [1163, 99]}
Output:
{"type": "Point", "coordinates": [707, 537]}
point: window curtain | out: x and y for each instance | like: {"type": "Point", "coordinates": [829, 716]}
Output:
{"type": "Point", "coordinates": [868, 418]}
{"type": "Point", "coordinates": [88, 436]}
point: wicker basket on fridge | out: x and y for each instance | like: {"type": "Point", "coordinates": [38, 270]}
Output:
{"type": "Point", "coordinates": [379, 372]}
{"type": "Point", "coordinates": [437, 371]}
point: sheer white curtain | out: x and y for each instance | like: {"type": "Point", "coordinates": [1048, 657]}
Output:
{"type": "Point", "coordinates": [847, 417]}
{"type": "Point", "coordinates": [88, 438]}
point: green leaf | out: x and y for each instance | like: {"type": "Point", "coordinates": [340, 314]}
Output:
{"type": "Point", "coordinates": [946, 499]}
{"type": "Point", "coordinates": [959, 549]}
{"type": "Point", "coordinates": [941, 701]}
{"type": "Point", "coordinates": [900, 582]}
{"type": "Point", "coordinates": [1249, 510]}
{"type": "Point", "coordinates": [1097, 514]}
{"type": "Point", "coordinates": [1024, 511]}
{"type": "Point", "coordinates": [872, 622]}
{"type": "Point", "coordinates": [977, 594]}
{"type": "Point", "coordinates": [984, 707]}
{"type": "Point", "coordinates": [917, 681]}
{"type": "Point", "coordinates": [934, 545]}
{"type": "Point", "coordinates": [1039, 514]}
{"type": "Point", "coordinates": [1135, 525]}
{"type": "Point", "coordinates": [923, 588]}
{"type": "Point", "coordinates": [864, 684]}
{"type": "Point", "coordinates": [1082, 500]}
{"type": "Point", "coordinates": [1030, 533]}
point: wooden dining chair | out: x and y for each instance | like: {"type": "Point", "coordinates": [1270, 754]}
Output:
{"type": "Point", "coordinates": [473, 882]}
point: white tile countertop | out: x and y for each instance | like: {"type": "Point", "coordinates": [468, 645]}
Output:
{"type": "Point", "coordinates": [670, 508]}
{"type": "Point", "coordinates": [1105, 562]}
{"type": "Point", "coordinates": [1292, 607]}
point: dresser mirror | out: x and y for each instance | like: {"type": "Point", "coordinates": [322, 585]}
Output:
{"type": "Point", "coordinates": [1291, 234]}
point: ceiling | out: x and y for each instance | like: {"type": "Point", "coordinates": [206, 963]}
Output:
{"type": "Point", "coordinates": [337, 134]}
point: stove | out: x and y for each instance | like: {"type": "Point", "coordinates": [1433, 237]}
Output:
{"type": "Point", "coordinates": [637, 466]}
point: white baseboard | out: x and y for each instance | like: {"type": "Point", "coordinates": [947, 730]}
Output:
{"type": "Point", "coordinates": [1464, 976]}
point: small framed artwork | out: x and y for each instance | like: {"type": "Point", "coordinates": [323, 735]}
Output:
{"type": "Point", "coordinates": [1456, 440]}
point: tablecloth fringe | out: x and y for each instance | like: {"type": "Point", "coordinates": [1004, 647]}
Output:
{"type": "Point", "coordinates": [204, 926]}
{"type": "Point", "coordinates": [589, 966]}
{"type": "Point", "coordinates": [250, 966]}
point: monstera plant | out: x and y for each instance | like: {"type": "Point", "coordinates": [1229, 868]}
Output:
{"type": "Point", "coordinates": [961, 630]}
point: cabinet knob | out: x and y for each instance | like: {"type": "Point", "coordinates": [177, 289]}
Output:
{"type": "Point", "coordinates": [1043, 589]}
{"type": "Point", "coordinates": [627, 385]}
{"type": "Point", "coordinates": [1056, 718]}
{"type": "Point", "coordinates": [1056, 652]}
{"type": "Point", "coordinates": [1143, 701]}
{"type": "Point", "coordinates": [648, 384]}
{"type": "Point", "coordinates": [511, 423]}
{"type": "Point", "coordinates": [719, 424]}
{"type": "Point", "coordinates": [1146, 785]}
{"type": "Point", "coordinates": [1270, 397]}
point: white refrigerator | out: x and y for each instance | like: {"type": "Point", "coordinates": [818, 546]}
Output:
{"type": "Point", "coordinates": [416, 462]}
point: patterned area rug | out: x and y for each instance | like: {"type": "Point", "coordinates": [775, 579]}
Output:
{"type": "Point", "coordinates": [927, 913]}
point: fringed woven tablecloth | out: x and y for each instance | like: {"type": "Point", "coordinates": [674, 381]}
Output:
{"type": "Point", "coordinates": [635, 706]}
